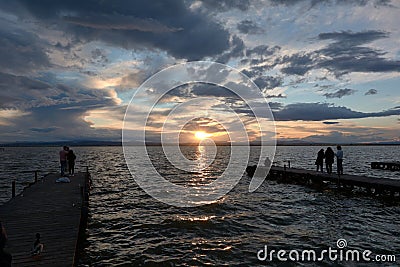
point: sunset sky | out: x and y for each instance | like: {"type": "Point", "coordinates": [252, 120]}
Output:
{"type": "Point", "coordinates": [330, 70]}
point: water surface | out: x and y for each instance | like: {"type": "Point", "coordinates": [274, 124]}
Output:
{"type": "Point", "coordinates": [129, 228]}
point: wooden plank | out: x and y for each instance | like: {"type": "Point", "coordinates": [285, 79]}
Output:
{"type": "Point", "coordinates": [51, 209]}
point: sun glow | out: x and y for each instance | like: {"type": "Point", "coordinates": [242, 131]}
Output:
{"type": "Point", "coordinates": [201, 135]}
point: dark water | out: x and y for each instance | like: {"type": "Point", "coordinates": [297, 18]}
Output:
{"type": "Point", "coordinates": [129, 228]}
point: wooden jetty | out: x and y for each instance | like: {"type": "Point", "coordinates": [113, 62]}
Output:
{"type": "Point", "coordinates": [58, 211]}
{"type": "Point", "coordinates": [375, 186]}
{"type": "Point", "coordinates": [392, 166]}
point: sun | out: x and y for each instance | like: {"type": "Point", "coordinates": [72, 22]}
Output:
{"type": "Point", "coordinates": [201, 135]}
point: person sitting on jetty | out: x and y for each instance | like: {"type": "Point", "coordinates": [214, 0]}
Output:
{"type": "Point", "coordinates": [339, 160]}
{"type": "Point", "coordinates": [320, 160]}
{"type": "Point", "coordinates": [63, 160]}
{"type": "Point", "coordinates": [37, 246]}
{"type": "Point", "coordinates": [5, 257]}
{"type": "Point", "coordinates": [71, 162]}
{"type": "Point", "coordinates": [329, 159]}
{"type": "Point", "coordinates": [267, 162]}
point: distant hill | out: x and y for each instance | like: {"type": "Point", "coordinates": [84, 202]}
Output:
{"type": "Point", "coordinates": [119, 143]}
{"type": "Point", "coordinates": [63, 143]}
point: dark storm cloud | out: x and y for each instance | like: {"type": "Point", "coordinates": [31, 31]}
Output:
{"type": "Point", "coordinates": [167, 25]}
{"type": "Point", "coordinates": [24, 93]}
{"type": "Point", "coordinates": [268, 82]}
{"type": "Point", "coordinates": [260, 59]}
{"type": "Point", "coordinates": [119, 22]}
{"type": "Point", "coordinates": [262, 50]}
{"type": "Point", "coordinates": [224, 5]}
{"type": "Point", "coordinates": [274, 106]}
{"type": "Point", "coordinates": [274, 96]}
{"type": "Point", "coordinates": [62, 116]}
{"type": "Point", "coordinates": [340, 93]}
{"type": "Point", "coordinates": [347, 53]}
{"type": "Point", "coordinates": [21, 52]}
{"type": "Point", "coordinates": [243, 5]}
{"type": "Point", "coordinates": [324, 111]}
{"type": "Point", "coordinates": [333, 2]}
{"type": "Point", "coordinates": [349, 39]}
{"type": "Point", "coordinates": [298, 64]}
{"type": "Point", "coordinates": [16, 91]}
{"type": "Point", "coordinates": [249, 27]}
{"type": "Point", "coordinates": [237, 48]}
{"type": "Point", "coordinates": [44, 130]}
{"type": "Point", "coordinates": [371, 92]}
{"type": "Point", "coordinates": [61, 124]}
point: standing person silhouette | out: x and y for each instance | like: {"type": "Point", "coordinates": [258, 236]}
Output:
{"type": "Point", "coordinates": [71, 162]}
{"type": "Point", "coordinates": [329, 159]}
{"type": "Point", "coordinates": [339, 160]}
{"type": "Point", "coordinates": [320, 160]}
{"type": "Point", "coordinates": [63, 160]}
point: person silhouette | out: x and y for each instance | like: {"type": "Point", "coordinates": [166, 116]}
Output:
{"type": "Point", "coordinates": [329, 159]}
{"type": "Point", "coordinates": [63, 160]}
{"type": "Point", "coordinates": [71, 157]}
{"type": "Point", "coordinates": [37, 246]}
{"type": "Point", "coordinates": [320, 160]}
{"type": "Point", "coordinates": [339, 160]}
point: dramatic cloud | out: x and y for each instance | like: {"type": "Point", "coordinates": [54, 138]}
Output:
{"type": "Point", "coordinates": [224, 5]}
{"type": "Point", "coordinates": [69, 65]}
{"type": "Point", "coordinates": [371, 92]}
{"type": "Point", "coordinates": [236, 50]}
{"type": "Point", "coordinates": [166, 25]}
{"type": "Point", "coordinates": [244, 5]}
{"type": "Point", "coordinates": [119, 22]}
{"type": "Point", "coordinates": [23, 92]}
{"type": "Point", "coordinates": [59, 124]}
{"type": "Point", "coordinates": [21, 52]}
{"type": "Point", "coordinates": [324, 111]}
{"type": "Point", "coordinates": [347, 53]}
{"type": "Point", "coordinates": [333, 2]}
{"type": "Point", "coordinates": [268, 82]}
{"type": "Point", "coordinates": [44, 130]}
{"type": "Point", "coordinates": [340, 93]}
{"type": "Point", "coordinates": [262, 50]}
{"type": "Point", "coordinates": [298, 64]}
{"type": "Point", "coordinates": [249, 27]}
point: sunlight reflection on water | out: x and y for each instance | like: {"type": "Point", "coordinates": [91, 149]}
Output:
{"type": "Point", "coordinates": [128, 227]}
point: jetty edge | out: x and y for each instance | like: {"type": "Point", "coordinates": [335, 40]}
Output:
{"type": "Point", "coordinates": [373, 186]}
{"type": "Point", "coordinates": [58, 211]}
{"type": "Point", "coordinates": [386, 165]}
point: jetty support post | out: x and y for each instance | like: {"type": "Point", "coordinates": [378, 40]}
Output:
{"type": "Point", "coordinates": [36, 176]}
{"type": "Point", "coordinates": [13, 188]}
